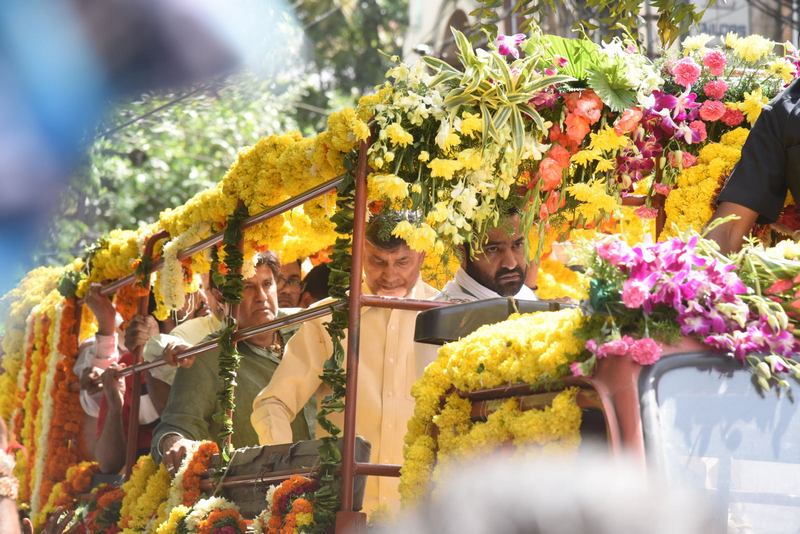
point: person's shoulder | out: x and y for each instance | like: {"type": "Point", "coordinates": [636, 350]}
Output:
{"type": "Point", "coordinates": [785, 103]}
{"type": "Point", "coordinates": [427, 291]}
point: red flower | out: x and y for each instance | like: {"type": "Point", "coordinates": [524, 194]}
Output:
{"type": "Point", "coordinates": [732, 117]}
{"type": "Point", "coordinates": [780, 286]}
{"type": "Point", "coordinates": [551, 174]}
{"type": "Point", "coordinates": [712, 110]}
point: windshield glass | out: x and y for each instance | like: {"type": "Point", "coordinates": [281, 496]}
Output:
{"type": "Point", "coordinates": [711, 429]}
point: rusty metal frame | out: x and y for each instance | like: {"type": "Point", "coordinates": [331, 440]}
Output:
{"type": "Point", "coordinates": [615, 386]}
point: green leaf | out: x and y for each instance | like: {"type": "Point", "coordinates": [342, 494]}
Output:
{"type": "Point", "coordinates": [580, 54]}
{"type": "Point", "coordinates": [617, 98]}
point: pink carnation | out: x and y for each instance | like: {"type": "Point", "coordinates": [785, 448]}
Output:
{"type": "Point", "coordinates": [698, 129]}
{"type": "Point", "coordinates": [634, 293]}
{"type": "Point", "coordinates": [662, 189]}
{"type": "Point", "coordinates": [732, 117]}
{"type": "Point", "coordinates": [712, 110]}
{"type": "Point", "coordinates": [715, 61]}
{"type": "Point", "coordinates": [645, 351]}
{"type": "Point", "coordinates": [615, 251]}
{"type": "Point", "coordinates": [576, 369]}
{"type": "Point", "coordinates": [715, 89]}
{"type": "Point", "coordinates": [679, 159]}
{"type": "Point", "coordinates": [615, 347]}
{"type": "Point", "coordinates": [646, 212]}
{"type": "Point", "coordinates": [686, 72]}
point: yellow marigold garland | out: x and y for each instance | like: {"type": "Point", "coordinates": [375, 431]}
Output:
{"type": "Point", "coordinates": [533, 348]}
{"type": "Point", "coordinates": [555, 280]}
{"type": "Point", "coordinates": [135, 487]}
{"type": "Point", "coordinates": [690, 204]}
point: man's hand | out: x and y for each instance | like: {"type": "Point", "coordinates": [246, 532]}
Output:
{"type": "Point", "coordinates": [174, 449]}
{"type": "Point", "coordinates": [140, 329]}
{"type": "Point", "coordinates": [172, 351]}
{"type": "Point", "coordinates": [90, 380]}
{"type": "Point", "coordinates": [114, 388]}
{"type": "Point", "coordinates": [103, 310]}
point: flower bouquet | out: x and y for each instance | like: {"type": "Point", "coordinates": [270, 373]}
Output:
{"type": "Point", "coordinates": [649, 294]}
{"type": "Point", "coordinates": [289, 507]}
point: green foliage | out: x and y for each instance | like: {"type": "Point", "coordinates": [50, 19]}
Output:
{"type": "Point", "coordinates": [159, 162]}
{"type": "Point", "coordinates": [347, 38]}
{"type": "Point", "coordinates": [579, 53]}
{"type": "Point", "coordinates": [612, 88]}
{"type": "Point", "coordinates": [600, 19]}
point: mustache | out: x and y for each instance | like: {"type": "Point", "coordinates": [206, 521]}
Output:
{"type": "Point", "coordinates": [503, 272]}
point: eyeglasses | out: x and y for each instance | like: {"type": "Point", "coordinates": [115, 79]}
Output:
{"type": "Point", "coordinates": [292, 282]}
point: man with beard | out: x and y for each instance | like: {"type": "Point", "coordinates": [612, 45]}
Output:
{"type": "Point", "coordinates": [498, 270]}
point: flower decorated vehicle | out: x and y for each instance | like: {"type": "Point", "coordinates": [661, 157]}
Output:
{"type": "Point", "coordinates": [671, 358]}
{"type": "Point", "coordinates": [592, 143]}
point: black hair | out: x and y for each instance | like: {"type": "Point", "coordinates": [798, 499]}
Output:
{"type": "Point", "coordinates": [269, 259]}
{"type": "Point", "coordinates": [380, 226]}
{"type": "Point", "coordinates": [316, 281]}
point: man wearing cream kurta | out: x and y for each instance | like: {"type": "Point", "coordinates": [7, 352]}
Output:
{"type": "Point", "coordinates": [387, 365]}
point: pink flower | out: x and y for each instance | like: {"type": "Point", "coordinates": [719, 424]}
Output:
{"type": "Point", "coordinates": [646, 213]}
{"type": "Point", "coordinates": [686, 72]}
{"type": "Point", "coordinates": [634, 293]}
{"type": "Point", "coordinates": [715, 61]}
{"type": "Point", "coordinates": [732, 117]}
{"type": "Point", "coordinates": [715, 89]}
{"type": "Point", "coordinates": [698, 129]}
{"type": "Point", "coordinates": [615, 251]}
{"type": "Point", "coordinates": [662, 189]}
{"type": "Point", "coordinates": [561, 61]}
{"type": "Point", "coordinates": [645, 351]}
{"type": "Point", "coordinates": [689, 160]}
{"type": "Point", "coordinates": [712, 110]}
{"type": "Point", "coordinates": [615, 347]}
{"type": "Point", "coordinates": [576, 369]}
{"type": "Point", "coordinates": [508, 44]}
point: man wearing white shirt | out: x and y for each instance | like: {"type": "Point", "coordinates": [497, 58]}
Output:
{"type": "Point", "coordinates": [498, 270]}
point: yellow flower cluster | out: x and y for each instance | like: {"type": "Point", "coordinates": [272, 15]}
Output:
{"type": "Point", "coordinates": [16, 306]}
{"type": "Point", "coordinates": [114, 256]}
{"type": "Point", "coordinates": [689, 205]}
{"type": "Point", "coordinates": [594, 200]}
{"type": "Point", "coordinates": [532, 348]}
{"type": "Point", "coordinates": [135, 487]}
{"type": "Point", "coordinates": [753, 103]}
{"type": "Point", "coordinates": [751, 49]}
{"type": "Point", "coordinates": [554, 280]}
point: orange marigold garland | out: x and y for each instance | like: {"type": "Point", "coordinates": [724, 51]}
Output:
{"type": "Point", "coordinates": [126, 300]}
{"type": "Point", "coordinates": [197, 467]}
{"type": "Point", "coordinates": [229, 521]}
{"type": "Point", "coordinates": [62, 443]}
{"type": "Point", "coordinates": [77, 481]}
{"type": "Point", "coordinates": [291, 506]}
{"type": "Point", "coordinates": [104, 512]}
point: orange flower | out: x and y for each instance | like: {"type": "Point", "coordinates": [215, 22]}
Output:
{"type": "Point", "coordinates": [628, 121]}
{"type": "Point", "coordinates": [550, 173]}
{"type": "Point", "coordinates": [198, 465]}
{"type": "Point", "coordinates": [577, 127]}
{"type": "Point", "coordinates": [209, 524]}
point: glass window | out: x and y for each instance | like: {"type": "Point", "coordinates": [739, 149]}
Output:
{"type": "Point", "coordinates": [708, 426]}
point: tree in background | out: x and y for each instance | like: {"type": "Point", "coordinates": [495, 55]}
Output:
{"type": "Point", "coordinates": [161, 160]}
{"type": "Point", "coordinates": [600, 19]}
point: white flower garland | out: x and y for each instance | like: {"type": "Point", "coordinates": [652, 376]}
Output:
{"type": "Point", "coordinates": [260, 522]}
{"type": "Point", "coordinates": [171, 275]}
{"type": "Point", "coordinates": [203, 508]}
{"type": "Point", "coordinates": [175, 496]}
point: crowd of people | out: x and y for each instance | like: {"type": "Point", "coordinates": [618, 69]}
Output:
{"type": "Point", "coordinates": [278, 385]}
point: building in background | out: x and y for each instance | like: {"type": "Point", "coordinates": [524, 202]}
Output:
{"type": "Point", "coordinates": [430, 22]}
